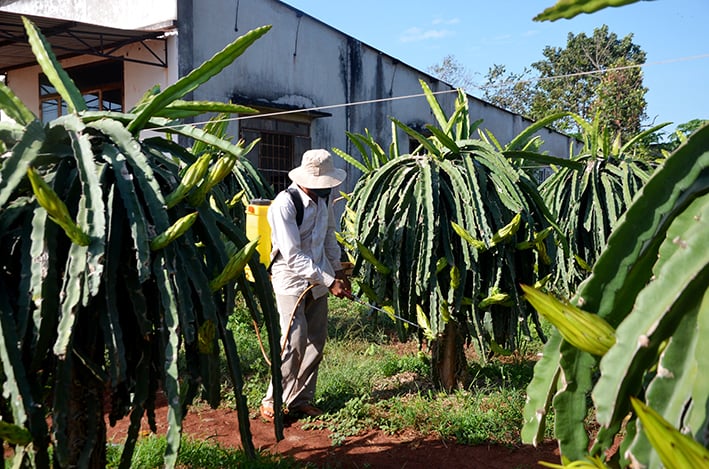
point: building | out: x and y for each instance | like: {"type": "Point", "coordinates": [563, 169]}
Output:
{"type": "Point", "coordinates": [311, 82]}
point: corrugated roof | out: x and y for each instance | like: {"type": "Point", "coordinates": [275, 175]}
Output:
{"type": "Point", "coordinates": [67, 39]}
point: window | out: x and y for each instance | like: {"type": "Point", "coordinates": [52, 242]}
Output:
{"type": "Point", "coordinates": [280, 148]}
{"type": "Point", "coordinates": [275, 159]}
{"type": "Point", "coordinates": [101, 85]}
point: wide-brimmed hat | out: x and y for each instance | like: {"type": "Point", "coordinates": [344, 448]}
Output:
{"type": "Point", "coordinates": [317, 171]}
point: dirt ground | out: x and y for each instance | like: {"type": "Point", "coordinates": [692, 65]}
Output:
{"type": "Point", "coordinates": [373, 449]}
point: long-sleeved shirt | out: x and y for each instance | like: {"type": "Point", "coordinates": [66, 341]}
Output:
{"type": "Point", "coordinates": [308, 254]}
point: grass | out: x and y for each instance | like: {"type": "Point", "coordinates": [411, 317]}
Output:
{"type": "Point", "coordinates": [369, 380]}
{"type": "Point", "coordinates": [195, 454]}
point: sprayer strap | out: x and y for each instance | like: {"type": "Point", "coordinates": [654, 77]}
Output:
{"type": "Point", "coordinates": [298, 202]}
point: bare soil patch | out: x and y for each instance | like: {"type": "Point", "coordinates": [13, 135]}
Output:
{"type": "Point", "coordinates": [372, 449]}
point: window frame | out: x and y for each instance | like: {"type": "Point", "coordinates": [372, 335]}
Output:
{"type": "Point", "coordinates": [100, 86]}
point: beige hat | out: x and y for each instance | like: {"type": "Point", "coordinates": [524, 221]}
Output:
{"type": "Point", "coordinates": [317, 171]}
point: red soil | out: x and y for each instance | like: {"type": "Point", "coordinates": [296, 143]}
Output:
{"type": "Point", "coordinates": [373, 449]}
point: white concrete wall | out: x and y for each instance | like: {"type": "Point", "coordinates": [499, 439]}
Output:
{"type": "Point", "coordinates": [301, 62]}
{"type": "Point", "coordinates": [121, 14]}
{"type": "Point", "coordinates": [304, 62]}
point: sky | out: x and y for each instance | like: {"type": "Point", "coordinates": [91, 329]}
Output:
{"type": "Point", "coordinates": [482, 33]}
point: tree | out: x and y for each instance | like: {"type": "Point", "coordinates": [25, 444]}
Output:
{"type": "Point", "coordinates": [453, 72]}
{"type": "Point", "coordinates": [509, 90]}
{"type": "Point", "coordinates": [120, 266]}
{"type": "Point", "coordinates": [590, 197]}
{"type": "Point", "coordinates": [445, 235]}
{"type": "Point", "coordinates": [650, 285]}
{"type": "Point", "coordinates": [590, 74]}
{"type": "Point", "coordinates": [679, 136]}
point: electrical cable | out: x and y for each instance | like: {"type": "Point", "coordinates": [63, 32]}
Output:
{"type": "Point", "coordinates": [418, 95]}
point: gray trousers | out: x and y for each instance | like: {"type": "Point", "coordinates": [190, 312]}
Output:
{"type": "Point", "coordinates": [304, 347]}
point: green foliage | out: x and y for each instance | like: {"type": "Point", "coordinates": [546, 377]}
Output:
{"type": "Point", "coordinates": [570, 8]}
{"type": "Point", "coordinates": [485, 415]}
{"type": "Point", "coordinates": [111, 313]}
{"type": "Point", "coordinates": [650, 284]}
{"type": "Point", "coordinates": [590, 76]}
{"type": "Point", "coordinates": [387, 386]}
{"type": "Point", "coordinates": [451, 71]}
{"type": "Point", "coordinates": [590, 198]}
{"type": "Point", "coordinates": [434, 233]}
{"type": "Point", "coordinates": [620, 98]}
{"type": "Point", "coordinates": [195, 454]}
{"type": "Point", "coordinates": [678, 137]}
{"type": "Point", "coordinates": [572, 79]}
{"type": "Point", "coordinates": [509, 90]}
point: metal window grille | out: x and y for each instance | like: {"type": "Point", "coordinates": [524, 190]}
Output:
{"type": "Point", "coordinates": [276, 158]}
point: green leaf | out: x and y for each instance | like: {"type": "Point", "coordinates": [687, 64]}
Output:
{"type": "Point", "coordinates": [571, 401]}
{"type": "Point", "coordinates": [351, 160]}
{"type": "Point", "coordinates": [430, 147]}
{"type": "Point", "coordinates": [215, 141]}
{"type": "Point", "coordinates": [111, 320]}
{"type": "Point", "coordinates": [636, 138]}
{"type": "Point", "coordinates": [623, 269]}
{"type": "Point", "coordinates": [463, 233]}
{"type": "Point", "coordinates": [72, 294]}
{"type": "Point", "coordinates": [14, 168]}
{"type": "Point", "coordinates": [523, 137]}
{"type": "Point", "coordinates": [540, 391]}
{"type": "Point", "coordinates": [137, 221]}
{"type": "Point", "coordinates": [91, 217]}
{"type": "Point", "coordinates": [670, 391]}
{"type": "Point", "coordinates": [16, 384]}
{"type": "Point", "coordinates": [544, 159]}
{"type": "Point", "coordinates": [14, 107]}
{"type": "Point", "coordinates": [675, 449]}
{"type": "Point", "coordinates": [51, 67]}
{"type": "Point", "coordinates": [570, 8]}
{"type": "Point", "coordinates": [14, 434]}
{"type": "Point", "coordinates": [433, 104]}
{"type": "Point", "coordinates": [681, 268]}
{"type": "Point", "coordinates": [179, 109]}
{"type": "Point", "coordinates": [171, 342]}
{"type": "Point", "coordinates": [195, 78]}
{"type": "Point", "coordinates": [445, 140]}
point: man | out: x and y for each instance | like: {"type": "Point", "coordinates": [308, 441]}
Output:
{"type": "Point", "coordinates": [305, 267]}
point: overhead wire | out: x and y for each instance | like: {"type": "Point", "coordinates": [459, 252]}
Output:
{"type": "Point", "coordinates": [418, 95]}
{"type": "Point", "coordinates": [600, 71]}
{"type": "Point", "coordinates": [310, 109]}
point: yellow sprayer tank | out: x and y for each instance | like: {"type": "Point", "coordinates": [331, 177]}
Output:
{"type": "Point", "coordinates": [257, 227]}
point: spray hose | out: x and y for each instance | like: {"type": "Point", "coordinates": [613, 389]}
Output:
{"type": "Point", "coordinates": [302, 296]}
{"type": "Point", "coordinates": [287, 331]}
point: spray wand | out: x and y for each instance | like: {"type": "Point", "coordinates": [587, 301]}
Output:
{"type": "Point", "coordinates": [389, 313]}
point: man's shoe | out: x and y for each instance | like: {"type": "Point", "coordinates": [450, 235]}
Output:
{"type": "Point", "coordinates": [309, 410]}
{"type": "Point", "coordinates": [267, 413]}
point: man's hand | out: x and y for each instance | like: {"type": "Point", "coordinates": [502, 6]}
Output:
{"type": "Point", "coordinates": [340, 274]}
{"type": "Point", "coordinates": [341, 288]}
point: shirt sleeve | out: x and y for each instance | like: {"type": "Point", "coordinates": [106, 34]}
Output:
{"type": "Point", "coordinates": [332, 247]}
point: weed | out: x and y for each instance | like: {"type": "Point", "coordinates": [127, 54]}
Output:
{"type": "Point", "coordinates": [195, 454]}
{"type": "Point", "coordinates": [348, 421]}
{"type": "Point", "coordinates": [369, 381]}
